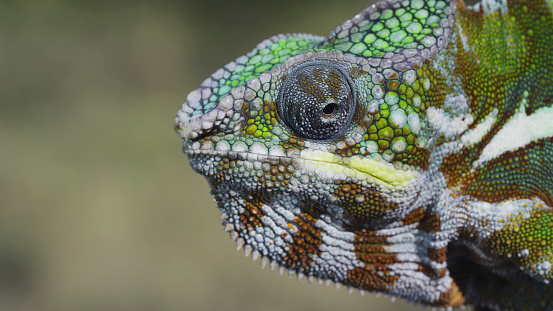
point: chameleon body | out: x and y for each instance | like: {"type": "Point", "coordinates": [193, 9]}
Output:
{"type": "Point", "coordinates": [409, 152]}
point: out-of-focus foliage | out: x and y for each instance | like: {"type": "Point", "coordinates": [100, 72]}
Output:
{"type": "Point", "coordinates": [99, 209]}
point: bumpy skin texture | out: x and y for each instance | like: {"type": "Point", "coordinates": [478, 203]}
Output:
{"type": "Point", "coordinates": [409, 152]}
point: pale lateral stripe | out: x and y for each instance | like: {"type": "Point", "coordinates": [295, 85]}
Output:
{"type": "Point", "coordinates": [450, 126]}
{"type": "Point", "coordinates": [475, 135]}
{"type": "Point", "coordinates": [518, 132]}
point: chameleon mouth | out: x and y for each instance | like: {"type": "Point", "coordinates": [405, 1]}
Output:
{"type": "Point", "coordinates": [322, 163]}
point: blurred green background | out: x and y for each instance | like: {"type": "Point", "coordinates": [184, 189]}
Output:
{"type": "Point", "coordinates": [99, 209]}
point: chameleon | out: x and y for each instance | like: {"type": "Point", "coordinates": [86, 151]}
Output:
{"type": "Point", "coordinates": [409, 152]}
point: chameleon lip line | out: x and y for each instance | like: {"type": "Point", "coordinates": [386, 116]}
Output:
{"type": "Point", "coordinates": [378, 172]}
{"type": "Point", "coordinates": [383, 173]}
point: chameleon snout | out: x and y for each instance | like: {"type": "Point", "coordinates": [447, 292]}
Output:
{"type": "Point", "coordinates": [199, 116]}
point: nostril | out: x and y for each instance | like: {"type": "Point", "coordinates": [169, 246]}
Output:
{"type": "Point", "coordinates": [197, 126]}
{"type": "Point", "coordinates": [200, 117]}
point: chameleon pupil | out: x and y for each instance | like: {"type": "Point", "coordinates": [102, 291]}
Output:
{"type": "Point", "coordinates": [329, 110]}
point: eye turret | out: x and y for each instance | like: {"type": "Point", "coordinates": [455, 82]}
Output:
{"type": "Point", "coordinates": [316, 100]}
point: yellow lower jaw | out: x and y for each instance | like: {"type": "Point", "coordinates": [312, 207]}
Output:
{"type": "Point", "coordinates": [379, 172]}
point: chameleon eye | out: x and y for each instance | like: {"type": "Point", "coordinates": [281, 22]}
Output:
{"type": "Point", "coordinates": [316, 100]}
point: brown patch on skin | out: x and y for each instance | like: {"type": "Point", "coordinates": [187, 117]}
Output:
{"type": "Point", "coordinates": [215, 179]}
{"type": "Point", "coordinates": [375, 276]}
{"type": "Point", "coordinates": [438, 255]}
{"type": "Point", "coordinates": [369, 249]}
{"type": "Point", "coordinates": [430, 222]}
{"type": "Point", "coordinates": [251, 217]}
{"type": "Point", "coordinates": [413, 216]}
{"type": "Point", "coordinates": [419, 157]}
{"type": "Point", "coordinates": [452, 297]}
{"type": "Point", "coordinates": [312, 208]}
{"type": "Point", "coordinates": [393, 85]}
{"type": "Point", "coordinates": [428, 271]}
{"type": "Point", "coordinates": [456, 163]}
{"type": "Point", "coordinates": [362, 204]}
{"type": "Point", "coordinates": [370, 280]}
{"type": "Point", "coordinates": [307, 241]}
{"type": "Point", "coordinates": [293, 141]}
